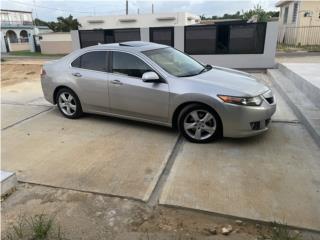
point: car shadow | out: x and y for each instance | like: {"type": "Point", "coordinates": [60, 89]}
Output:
{"type": "Point", "coordinates": [121, 121]}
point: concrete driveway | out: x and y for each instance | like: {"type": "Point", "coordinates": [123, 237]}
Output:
{"type": "Point", "coordinates": [272, 177]}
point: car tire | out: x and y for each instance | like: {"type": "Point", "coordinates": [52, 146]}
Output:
{"type": "Point", "coordinates": [199, 124]}
{"type": "Point", "coordinates": [68, 103]}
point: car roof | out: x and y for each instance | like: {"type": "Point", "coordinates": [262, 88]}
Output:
{"type": "Point", "coordinates": [133, 46]}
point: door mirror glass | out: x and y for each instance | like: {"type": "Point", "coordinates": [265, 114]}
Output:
{"type": "Point", "coordinates": [150, 77]}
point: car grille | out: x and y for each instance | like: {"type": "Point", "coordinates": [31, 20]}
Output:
{"type": "Point", "coordinates": [258, 125]}
{"type": "Point", "coordinates": [268, 96]}
{"type": "Point", "coordinates": [270, 100]}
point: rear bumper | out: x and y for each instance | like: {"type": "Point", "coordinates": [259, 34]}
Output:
{"type": "Point", "coordinates": [47, 89]}
{"type": "Point", "coordinates": [242, 121]}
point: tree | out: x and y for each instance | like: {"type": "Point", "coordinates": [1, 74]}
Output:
{"type": "Point", "coordinates": [262, 15]}
{"type": "Point", "coordinates": [61, 25]}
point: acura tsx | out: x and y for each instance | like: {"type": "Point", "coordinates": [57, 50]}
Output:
{"type": "Point", "coordinates": [158, 84]}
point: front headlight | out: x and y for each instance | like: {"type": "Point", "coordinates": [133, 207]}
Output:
{"type": "Point", "coordinates": [245, 101]}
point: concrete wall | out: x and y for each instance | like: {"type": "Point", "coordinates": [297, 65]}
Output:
{"type": "Point", "coordinates": [19, 47]}
{"type": "Point", "coordinates": [75, 39]}
{"type": "Point", "coordinates": [138, 21]}
{"type": "Point", "coordinates": [57, 47]}
{"type": "Point", "coordinates": [265, 60]}
{"type": "Point", "coordinates": [56, 43]}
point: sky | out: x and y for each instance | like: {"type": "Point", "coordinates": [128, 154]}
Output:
{"type": "Point", "coordinates": [50, 10]}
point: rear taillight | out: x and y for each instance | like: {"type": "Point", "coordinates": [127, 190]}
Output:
{"type": "Point", "coordinates": [43, 72]}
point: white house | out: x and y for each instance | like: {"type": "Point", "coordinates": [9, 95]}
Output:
{"type": "Point", "coordinates": [138, 21]}
{"type": "Point", "coordinates": [17, 29]}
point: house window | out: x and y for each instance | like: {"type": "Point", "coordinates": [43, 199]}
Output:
{"type": "Point", "coordinates": [285, 15]}
{"type": "Point", "coordinates": [295, 12]}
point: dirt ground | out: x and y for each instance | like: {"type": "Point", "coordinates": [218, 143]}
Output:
{"type": "Point", "coordinates": [91, 216]}
{"type": "Point", "coordinates": [14, 73]}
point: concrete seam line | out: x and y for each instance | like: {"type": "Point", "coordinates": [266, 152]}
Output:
{"type": "Point", "coordinates": [21, 121]}
{"type": "Point", "coordinates": [157, 190]}
{"type": "Point", "coordinates": [83, 191]}
{"type": "Point", "coordinates": [26, 104]}
{"type": "Point", "coordinates": [286, 121]}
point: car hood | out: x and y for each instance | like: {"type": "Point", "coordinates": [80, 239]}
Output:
{"type": "Point", "coordinates": [240, 83]}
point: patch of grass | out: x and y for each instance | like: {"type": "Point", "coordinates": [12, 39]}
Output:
{"type": "Point", "coordinates": [279, 231]}
{"type": "Point", "coordinates": [34, 54]}
{"type": "Point", "coordinates": [38, 227]}
{"type": "Point", "coordinates": [292, 48]}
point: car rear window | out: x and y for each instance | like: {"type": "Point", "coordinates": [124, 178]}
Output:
{"type": "Point", "coordinates": [96, 60]}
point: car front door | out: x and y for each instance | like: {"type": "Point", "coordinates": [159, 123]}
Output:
{"type": "Point", "coordinates": [90, 74]}
{"type": "Point", "coordinates": [130, 96]}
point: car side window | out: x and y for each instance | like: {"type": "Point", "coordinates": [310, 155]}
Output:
{"type": "Point", "coordinates": [96, 60]}
{"type": "Point", "coordinates": [128, 64]}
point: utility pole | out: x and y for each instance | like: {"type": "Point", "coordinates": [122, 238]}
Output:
{"type": "Point", "coordinates": [127, 7]}
{"type": "Point", "coordinates": [138, 11]}
{"type": "Point", "coordinates": [152, 8]}
{"type": "Point", "coordinates": [35, 8]}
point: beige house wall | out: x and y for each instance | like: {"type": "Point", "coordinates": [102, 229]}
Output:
{"type": "Point", "coordinates": [314, 7]}
{"type": "Point", "coordinates": [19, 46]}
{"type": "Point", "coordinates": [306, 30]}
{"type": "Point", "coordinates": [56, 47]}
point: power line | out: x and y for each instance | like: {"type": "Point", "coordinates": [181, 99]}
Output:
{"type": "Point", "coordinates": [63, 10]}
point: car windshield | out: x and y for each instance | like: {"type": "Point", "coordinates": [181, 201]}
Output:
{"type": "Point", "coordinates": [175, 62]}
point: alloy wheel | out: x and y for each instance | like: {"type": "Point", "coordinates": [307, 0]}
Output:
{"type": "Point", "coordinates": [67, 103]}
{"type": "Point", "coordinates": [200, 124]}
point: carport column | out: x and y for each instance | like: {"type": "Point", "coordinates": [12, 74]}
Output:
{"type": "Point", "coordinates": [3, 43]}
{"type": "Point", "coordinates": [31, 42]}
{"type": "Point", "coordinates": [75, 39]}
{"type": "Point", "coordinates": [270, 43]}
{"type": "Point", "coordinates": [144, 32]}
{"type": "Point", "coordinates": [179, 38]}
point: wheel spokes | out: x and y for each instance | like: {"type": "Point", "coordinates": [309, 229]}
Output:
{"type": "Point", "coordinates": [195, 116]}
{"type": "Point", "coordinates": [73, 106]}
{"type": "Point", "coordinates": [67, 103]}
{"type": "Point", "coordinates": [200, 124]}
{"type": "Point", "coordinates": [197, 134]}
{"type": "Point", "coordinates": [190, 125]}
{"type": "Point", "coordinates": [208, 129]}
{"type": "Point", "coordinates": [63, 97]}
{"type": "Point", "coordinates": [207, 117]}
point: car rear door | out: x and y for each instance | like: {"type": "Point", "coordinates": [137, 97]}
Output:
{"type": "Point", "coordinates": [129, 95]}
{"type": "Point", "coordinates": [90, 74]}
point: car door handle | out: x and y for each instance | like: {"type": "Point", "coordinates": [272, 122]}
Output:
{"type": "Point", "coordinates": [116, 82]}
{"type": "Point", "coordinates": [77, 74]}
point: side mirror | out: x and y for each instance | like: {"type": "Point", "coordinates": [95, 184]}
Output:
{"type": "Point", "coordinates": [150, 77]}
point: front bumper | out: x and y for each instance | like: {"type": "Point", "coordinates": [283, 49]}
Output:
{"type": "Point", "coordinates": [244, 121]}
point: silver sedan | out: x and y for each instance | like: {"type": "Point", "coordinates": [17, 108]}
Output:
{"type": "Point", "coordinates": [158, 84]}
